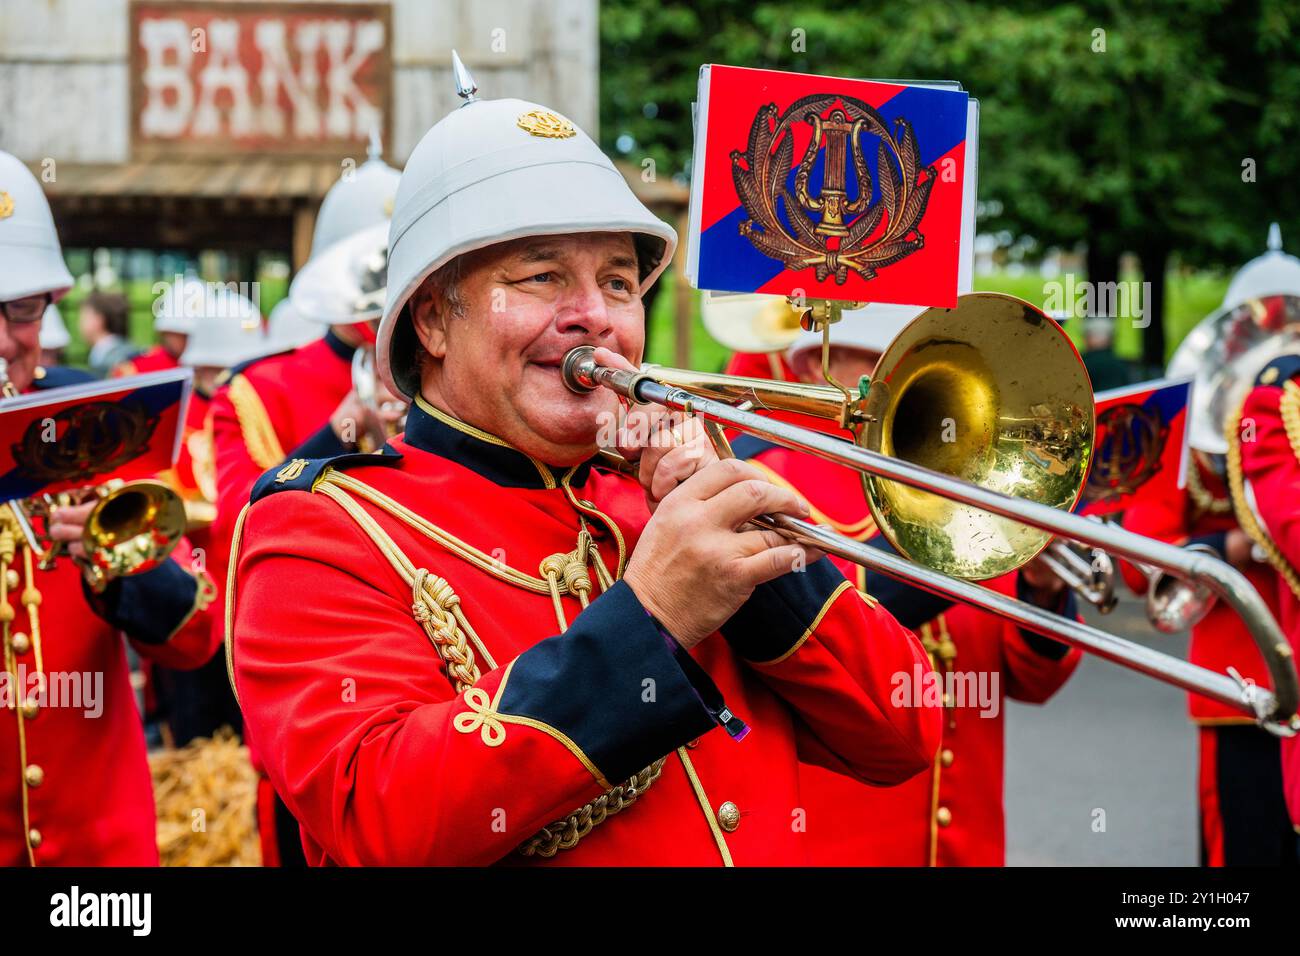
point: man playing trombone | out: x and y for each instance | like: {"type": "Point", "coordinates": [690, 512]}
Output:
{"type": "Point", "coordinates": [481, 646]}
{"type": "Point", "coordinates": [76, 788]}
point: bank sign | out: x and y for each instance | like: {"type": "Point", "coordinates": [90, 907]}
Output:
{"type": "Point", "coordinates": [251, 77]}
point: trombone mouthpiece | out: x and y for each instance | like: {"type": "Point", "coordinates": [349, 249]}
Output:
{"type": "Point", "coordinates": [579, 370]}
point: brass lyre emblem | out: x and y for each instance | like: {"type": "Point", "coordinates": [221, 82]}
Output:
{"type": "Point", "coordinates": [546, 124]}
{"type": "Point", "coordinates": [849, 232]}
{"type": "Point", "coordinates": [290, 471]}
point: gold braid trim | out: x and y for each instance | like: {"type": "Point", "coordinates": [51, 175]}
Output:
{"type": "Point", "coordinates": [436, 607]}
{"type": "Point", "coordinates": [1201, 496]}
{"type": "Point", "coordinates": [1237, 487]}
{"type": "Point", "coordinates": [259, 434]}
{"type": "Point", "coordinates": [1289, 405]}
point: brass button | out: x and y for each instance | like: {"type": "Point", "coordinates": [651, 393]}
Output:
{"type": "Point", "coordinates": [34, 775]}
{"type": "Point", "coordinates": [20, 642]}
{"type": "Point", "coordinates": [694, 743]}
{"type": "Point", "coordinates": [11, 578]}
{"type": "Point", "coordinates": [34, 838]}
{"type": "Point", "coordinates": [729, 816]}
{"type": "Point", "coordinates": [945, 757]}
{"type": "Point", "coordinates": [943, 816]}
{"type": "Point", "coordinates": [30, 709]}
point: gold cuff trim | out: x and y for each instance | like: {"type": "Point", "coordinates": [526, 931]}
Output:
{"type": "Point", "coordinates": [811, 627]}
{"type": "Point", "coordinates": [259, 434]}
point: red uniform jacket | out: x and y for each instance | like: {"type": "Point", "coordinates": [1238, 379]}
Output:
{"type": "Point", "coordinates": [156, 359]}
{"type": "Point", "coordinates": [1202, 513]}
{"type": "Point", "coordinates": [952, 815]}
{"type": "Point", "coordinates": [270, 410]}
{"type": "Point", "coordinates": [1270, 468]}
{"type": "Point", "coordinates": [424, 705]}
{"type": "Point", "coordinates": [74, 784]}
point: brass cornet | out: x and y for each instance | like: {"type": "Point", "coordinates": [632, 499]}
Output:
{"type": "Point", "coordinates": [133, 528]}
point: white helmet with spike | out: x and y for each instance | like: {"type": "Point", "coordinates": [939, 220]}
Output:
{"type": "Point", "coordinates": [31, 259]}
{"type": "Point", "coordinates": [489, 172]}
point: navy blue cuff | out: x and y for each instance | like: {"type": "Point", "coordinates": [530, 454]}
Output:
{"type": "Point", "coordinates": [1217, 541]}
{"type": "Point", "coordinates": [612, 685]}
{"type": "Point", "coordinates": [1067, 607]}
{"type": "Point", "coordinates": [910, 606]}
{"type": "Point", "coordinates": [780, 612]}
{"type": "Point", "coordinates": [149, 607]}
{"type": "Point", "coordinates": [322, 443]}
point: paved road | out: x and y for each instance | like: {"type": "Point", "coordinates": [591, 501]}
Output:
{"type": "Point", "coordinates": [1111, 742]}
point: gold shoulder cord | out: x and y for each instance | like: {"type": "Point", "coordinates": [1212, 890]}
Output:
{"type": "Point", "coordinates": [259, 434]}
{"type": "Point", "coordinates": [1289, 404]}
{"type": "Point", "coordinates": [436, 608]}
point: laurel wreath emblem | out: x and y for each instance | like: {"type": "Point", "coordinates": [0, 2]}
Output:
{"type": "Point", "coordinates": [762, 173]}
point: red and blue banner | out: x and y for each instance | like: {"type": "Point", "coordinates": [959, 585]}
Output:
{"type": "Point", "coordinates": [1140, 448]}
{"type": "Point", "coordinates": [66, 438]}
{"type": "Point", "coordinates": [828, 188]}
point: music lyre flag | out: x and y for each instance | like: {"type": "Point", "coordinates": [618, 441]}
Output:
{"type": "Point", "coordinates": [828, 188]}
{"type": "Point", "coordinates": [1140, 448]}
{"type": "Point", "coordinates": [67, 438]}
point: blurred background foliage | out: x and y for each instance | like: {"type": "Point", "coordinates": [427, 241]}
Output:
{"type": "Point", "coordinates": [1165, 130]}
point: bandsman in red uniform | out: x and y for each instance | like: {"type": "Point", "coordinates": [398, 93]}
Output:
{"type": "Point", "coordinates": [506, 653]}
{"type": "Point", "coordinates": [227, 331]}
{"type": "Point", "coordinates": [298, 403]}
{"type": "Point", "coordinates": [1243, 818]}
{"type": "Point", "coordinates": [74, 784]}
{"type": "Point", "coordinates": [953, 815]}
{"type": "Point", "coordinates": [1264, 477]}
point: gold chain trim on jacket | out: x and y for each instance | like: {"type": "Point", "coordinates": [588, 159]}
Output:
{"type": "Point", "coordinates": [259, 434]}
{"type": "Point", "coordinates": [435, 606]}
{"type": "Point", "coordinates": [1245, 514]}
{"type": "Point", "coordinates": [1206, 502]}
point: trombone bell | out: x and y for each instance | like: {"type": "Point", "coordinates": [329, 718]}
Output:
{"type": "Point", "coordinates": [991, 392]}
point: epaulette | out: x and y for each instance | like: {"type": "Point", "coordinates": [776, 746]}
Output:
{"type": "Point", "coordinates": [57, 376]}
{"type": "Point", "coordinates": [227, 374]}
{"type": "Point", "coordinates": [1279, 371]}
{"type": "Point", "coordinates": [301, 474]}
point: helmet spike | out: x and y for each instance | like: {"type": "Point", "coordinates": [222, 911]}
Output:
{"type": "Point", "coordinates": [466, 88]}
{"type": "Point", "coordinates": [1274, 237]}
{"type": "Point", "coordinates": [375, 149]}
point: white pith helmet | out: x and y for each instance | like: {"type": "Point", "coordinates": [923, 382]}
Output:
{"type": "Point", "coordinates": [287, 328]}
{"type": "Point", "coordinates": [359, 199]}
{"type": "Point", "coordinates": [489, 172]}
{"type": "Point", "coordinates": [227, 331]}
{"type": "Point", "coordinates": [31, 259]}
{"type": "Point", "coordinates": [180, 305]}
{"type": "Point", "coordinates": [1273, 273]}
{"type": "Point", "coordinates": [54, 333]}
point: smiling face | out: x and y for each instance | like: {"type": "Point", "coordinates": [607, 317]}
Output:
{"type": "Point", "coordinates": [20, 346]}
{"type": "Point", "coordinates": [494, 361]}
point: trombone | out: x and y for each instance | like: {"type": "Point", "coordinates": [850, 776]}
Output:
{"type": "Point", "coordinates": [1013, 390]}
